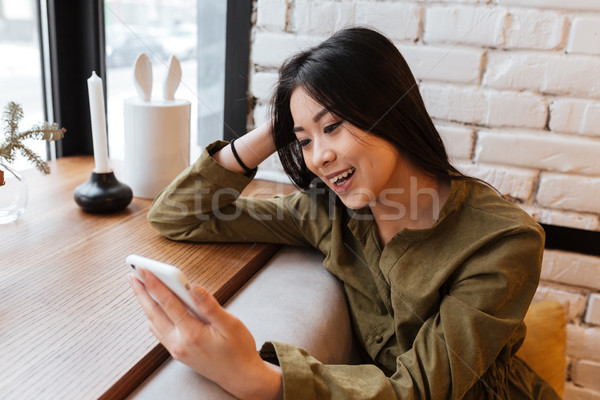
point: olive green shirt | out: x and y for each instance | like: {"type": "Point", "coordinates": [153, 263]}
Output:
{"type": "Point", "coordinates": [438, 312]}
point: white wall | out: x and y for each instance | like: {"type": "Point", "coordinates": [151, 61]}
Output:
{"type": "Point", "coordinates": [513, 85]}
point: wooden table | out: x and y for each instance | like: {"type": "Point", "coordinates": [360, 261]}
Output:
{"type": "Point", "coordinates": [70, 326]}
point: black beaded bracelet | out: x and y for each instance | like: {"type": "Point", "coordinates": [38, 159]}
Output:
{"type": "Point", "coordinates": [237, 157]}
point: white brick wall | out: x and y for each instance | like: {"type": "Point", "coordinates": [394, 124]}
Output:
{"type": "Point", "coordinates": [573, 392]}
{"type": "Point", "coordinates": [271, 49]}
{"type": "Point", "coordinates": [322, 17]}
{"type": "Point", "coordinates": [399, 23]}
{"type": "Point", "coordinates": [586, 374]}
{"type": "Point", "coordinates": [470, 104]}
{"type": "Point", "coordinates": [480, 25]}
{"type": "Point", "coordinates": [262, 84]}
{"type": "Point", "coordinates": [531, 65]}
{"type": "Point", "coordinates": [432, 63]}
{"type": "Point", "coordinates": [577, 220]}
{"type": "Point", "coordinates": [271, 14]}
{"type": "Point", "coordinates": [540, 151]}
{"type": "Point", "coordinates": [575, 116]}
{"type": "Point", "coordinates": [535, 29]}
{"type": "Point", "coordinates": [571, 269]}
{"type": "Point", "coordinates": [458, 141]}
{"type": "Point", "coordinates": [513, 182]}
{"type": "Point", "coordinates": [591, 5]}
{"type": "Point", "coordinates": [574, 302]}
{"type": "Point", "coordinates": [550, 73]}
{"type": "Point", "coordinates": [514, 89]}
{"type": "Point", "coordinates": [593, 311]}
{"type": "Point", "coordinates": [585, 35]}
{"type": "Point", "coordinates": [564, 191]}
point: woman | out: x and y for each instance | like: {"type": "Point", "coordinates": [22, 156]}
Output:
{"type": "Point", "coordinates": [438, 270]}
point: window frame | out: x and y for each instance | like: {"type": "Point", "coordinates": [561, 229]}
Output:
{"type": "Point", "coordinates": [77, 46]}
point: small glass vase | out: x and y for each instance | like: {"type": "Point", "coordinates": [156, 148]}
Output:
{"type": "Point", "coordinates": [13, 194]}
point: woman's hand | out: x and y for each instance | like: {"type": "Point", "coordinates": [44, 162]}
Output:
{"type": "Point", "coordinates": [223, 350]}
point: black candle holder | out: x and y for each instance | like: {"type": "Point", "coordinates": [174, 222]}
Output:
{"type": "Point", "coordinates": [102, 193]}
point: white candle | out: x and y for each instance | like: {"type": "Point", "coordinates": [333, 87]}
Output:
{"type": "Point", "coordinates": [98, 123]}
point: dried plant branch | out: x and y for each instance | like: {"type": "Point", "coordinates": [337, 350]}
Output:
{"type": "Point", "coordinates": [13, 139]}
{"type": "Point", "coordinates": [13, 113]}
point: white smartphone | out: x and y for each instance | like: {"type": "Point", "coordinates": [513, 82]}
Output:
{"type": "Point", "coordinates": [170, 275]}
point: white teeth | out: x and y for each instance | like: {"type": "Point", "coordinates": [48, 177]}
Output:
{"type": "Point", "coordinates": [342, 175]}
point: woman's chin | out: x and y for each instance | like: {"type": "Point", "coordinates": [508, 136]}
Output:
{"type": "Point", "coordinates": [355, 201]}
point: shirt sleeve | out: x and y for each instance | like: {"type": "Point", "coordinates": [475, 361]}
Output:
{"type": "Point", "coordinates": [203, 204]}
{"type": "Point", "coordinates": [468, 342]}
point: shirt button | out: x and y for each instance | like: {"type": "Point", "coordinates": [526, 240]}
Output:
{"type": "Point", "coordinates": [378, 338]}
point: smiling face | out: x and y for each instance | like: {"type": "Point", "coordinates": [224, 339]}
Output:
{"type": "Point", "coordinates": [357, 165]}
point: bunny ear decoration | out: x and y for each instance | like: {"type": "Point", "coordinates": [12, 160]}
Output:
{"type": "Point", "coordinates": [173, 78]}
{"type": "Point", "coordinates": [142, 73]}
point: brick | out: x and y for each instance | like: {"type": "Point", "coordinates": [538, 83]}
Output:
{"type": "Point", "coordinates": [449, 64]}
{"type": "Point", "coordinates": [571, 269]}
{"type": "Point", "coordinates": [261, 113]}
{"type": "Point", "coordinates": [591, 5]}
{"type": "Point", "coordinates": [262, 85]}
{"type": "Point", "coordinates": [569, 192]}
{"type": "Point", "coordinates": [459, 141]}
{"type": "Point", "coordinates": [454, 103]}
{"type": "Point", "coordinates": [271, 170]}
{"type": "Point", "coordinates": [534, 29]}
{"type": "Point", "coordinates": [522, 109]}
{"type": "Point", "coordinates": [482, 26]}
{"type": "Point", "coordinates": [538, 150]}
{"type": "Point", "coordinates": [590, 346]}
{"type": "Point", "coordinates": [464, 1]}
{"type": "Point", "coordinates": [575, 116]}
{"type": "Point", "coordinates": [573, 392]}
{"type": "Point", "coordinates": [592, 315]}
{"type": "Point", "coordinates": [551, 73]}
{"type": "Point", "coordinates": [271, 14]}
{"type": "Point", "coordinates": [322, 17]}
{"type": "Point", "coordinates": [586, 373]}
{"type": "Point", "coordinates": [400, 22]}
{"type": "Point", "coordinates": [271, 49]}
{"type": "Point", "coordinates": [585, 35]}
{"type": "Point", "coordinates": [590, 222]}
{"type": "Point", "coordinates": [574, 340]}
{"type": "Point", "coordinates": [574, 302]}
{"type": "Point", "coordinates": [513, 182]}
{"type": "Point", "coordinates": [484, 107]}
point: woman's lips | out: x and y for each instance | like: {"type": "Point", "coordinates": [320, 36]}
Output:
{"type": "Point", "coordinates": [344, 186]}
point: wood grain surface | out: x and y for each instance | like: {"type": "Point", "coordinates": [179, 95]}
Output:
{"type": "Point", "coordinates": [70, 326]}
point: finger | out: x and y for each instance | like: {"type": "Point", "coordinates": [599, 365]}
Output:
{"type": "Point", "coordinates": [171, 305]}
{"type": "Point", "coordinates": [214, 313]}
{"type": "Point", "coordinates": [152, 310]}
{"type": "Point", "coordinates": [157, 334]}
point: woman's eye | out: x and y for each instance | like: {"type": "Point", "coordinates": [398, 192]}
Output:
{"type": "Point", "coordinates": [303, 142]}
{"type": "Point", "coordinates": [332, 127]}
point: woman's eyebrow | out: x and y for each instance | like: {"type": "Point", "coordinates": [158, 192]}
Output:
{"type": "Point", "coordinates": [319, 115]}
{"type": "Point", "coordinates": [316, 118]}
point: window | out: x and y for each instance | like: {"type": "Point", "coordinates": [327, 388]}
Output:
{"type": "Point", "coordinates": [192, 30]}
{"type": "Point", "coordinates": [21, 66]}
{"type": "Point", "coordinates": [211, 38]}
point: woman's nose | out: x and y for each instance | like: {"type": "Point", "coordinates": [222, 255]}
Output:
{"type": "Point", "coordinates": [323, 154]}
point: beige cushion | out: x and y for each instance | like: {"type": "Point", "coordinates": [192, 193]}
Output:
{"type": "Point", "coordinates": [544, 346]}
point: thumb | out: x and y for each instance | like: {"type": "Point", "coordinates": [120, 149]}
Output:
{"type": "Point", "coordinates": [210, 308]}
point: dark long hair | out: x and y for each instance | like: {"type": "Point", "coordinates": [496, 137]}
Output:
{"type": "Point", "coordinates": [359, 75]}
